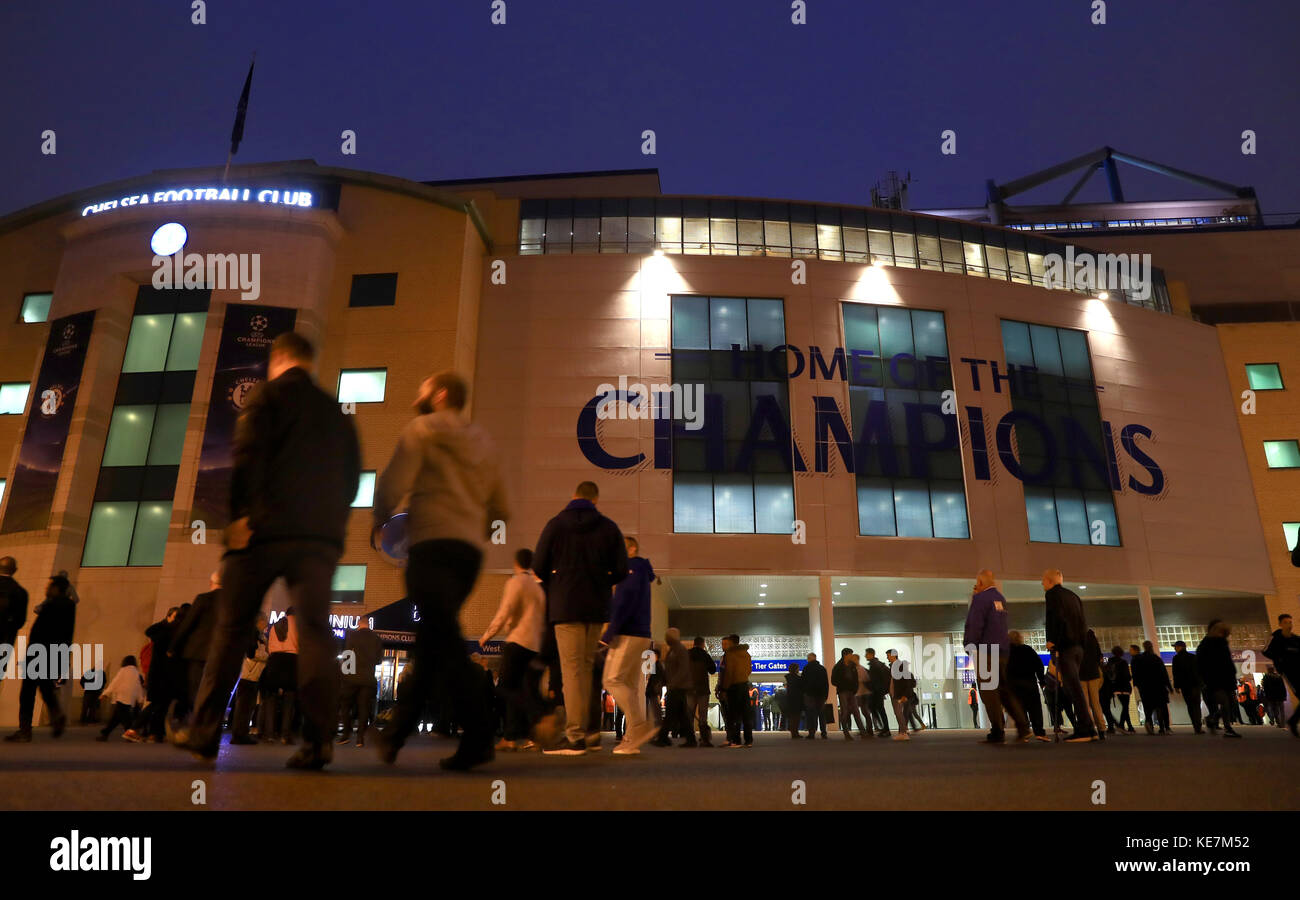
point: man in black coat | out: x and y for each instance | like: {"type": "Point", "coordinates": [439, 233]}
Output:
{"type": "Point", "coordinates": [1066, 629]}
{"type": "Point", "coordinates": [792, 700]}
{"type": "Point", "coordinates": [1219, 675]}
{"type": "Point", "coordinates": [1025, 672]}
{"type": "Point", "coordinates": [579, 557]}
{"type": "Point", "coordinates": [192, 638]}
{"type": "Point", "coordinates": [1151, 678]}
{"type": "Point", "coordinates": [1284, 649]}
{"type": "Point", "coordinates": [844, 678]}
{"type": "Point", "coordinates": [295, 474]}
{"type": "Point", "coordinates": [13, 612]}
{"type": "Point", "coordinates": [816, 687]}
{"type": "Point", "coordinates": [880, 681]}
{"type": "Point", "coordinates": [697, 701]}
{"type": "Point", "coordinates": [1187, 681]}
{"type": "Point", "coordinates": [47, 644]}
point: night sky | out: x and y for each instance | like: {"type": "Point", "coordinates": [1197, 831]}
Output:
{"type": "Point", "coordinates": [742, 101]}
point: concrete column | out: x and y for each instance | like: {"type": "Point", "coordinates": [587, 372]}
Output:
{"type": "Point", "coordinates": [659, 614]}
{"type": "Point", "coordinates": [821, 624]}
{"type": "Point", "coordinates": [1148, 616]}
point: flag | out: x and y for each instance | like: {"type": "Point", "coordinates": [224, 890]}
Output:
{"type": "Point", "coordinates": [237, 133]}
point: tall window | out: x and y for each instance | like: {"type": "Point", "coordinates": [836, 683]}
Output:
{"type": "Point", "coordinates": [349, 584]}
{"type": "Point", "coordinates": [13, 398]}
{"type": "Point", "coordinates": [146, 433]}
{"type": "Point", "coordinates": [734, 474]}
{"type": "Point", "coordinates": [907, 453]}
{"type": "Point", "coordinates": [1264, 376]}
{"type": "Point", "coordinates": [1282, 454]}
{"type": "Point", "coordinates": [1062, 449]}
{"type": "Point", "coordinates": [36, 307]}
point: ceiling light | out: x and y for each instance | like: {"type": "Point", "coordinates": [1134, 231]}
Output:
{"type": "Point", "coordinates": [762, 595]}
{"type": "Point", "coordinates": [762, 585]}
{"type": "Point", "coordinates": [844, 584]}
{"type": "Point", "coordinates": [889, 600]}
{"type": "Point", "coordinates": [837, 593]}
{"type": "Point", "coordinates": [760, 603]}
{"type": "Point", "coordinates": [1178, 593]}
{"type": "Point", "coordinates": [898, 592]}
{"type": "Point", "coordinates": [1103, 296]}
{"type": "Point", "coordinates": [1083, 587]}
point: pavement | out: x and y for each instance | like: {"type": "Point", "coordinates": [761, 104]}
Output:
{"type": "Point", "coordinates": [936, 770]}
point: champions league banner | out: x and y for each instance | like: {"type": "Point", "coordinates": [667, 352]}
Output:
{"type": "Point", "coordinates": [31, 493]}
{"type": "Point", "coordinates": [246, 338]}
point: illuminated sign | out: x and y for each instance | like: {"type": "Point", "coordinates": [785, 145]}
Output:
{"type": "Point", "coordinates": [291, 197]}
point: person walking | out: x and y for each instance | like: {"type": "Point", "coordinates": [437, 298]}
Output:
{"type": "Point", "coordinates": [1187, 681]}
{"type": "Point", "coordinates": [792, 699]}
{"type": "Point", "coordinates": [678, 679]}
{"type": "Point", "coordinates": [628, 638]}
{"type": "Point", "coordinates": [363, 651]}
{"type": "Point", "coordinates": [736, 669]}
{"type": "Point", "coordinates": [126, 691]}
{"type": "Point", "coordinates": [702, 666]}
{"type": "Point", "coordinates": [1121, 680]}
{"type": "Point", "coordinates": [816, 687]}
{"type": "Point", "coordinates": [1025, 673]}
{"type": "Point", "coordinates": [1272, 690]}
{"type": "Point", "coordinates": [280, 677]}
{"type": "Point", "coordinates": [881, 678]}
{"type": "Point", "coordinates": [844, 678]}
{"type": "Point", "coordinates": [190, 642]}
{"type": "Point", "coordinates": [1066, 630]}
{"type": "Point", "coordinates": [449, 469]}
{"type": "Point", "coordinates": [1284, 650]}
{"type": "Point", "coordinates": [580, 556]}
{"type": "Point", "coordinates": [522, 615]}
{"type": "Point", "coordinates": [863, 697]}
{"type": "Point", "coordinates": [248, 689]}
{"type": "Point", "coordinates": [1151, 679]}
{"type": "Point", "coordinates": [1246, 699]}
{"type": "Point", "coordinates": [1219, 675]}
{"type": "Point", "coordinates": [1090, 675]}
{"type": "Point", "coordinates": [973, 701]}
{"type": "Point", "coordinates": [902, 690]}
{"type": "Point", "coordinates": [13, 612]}
{"type": "Point", "coordinates": [52, 629]}
{"type": "Point", "coordinates": [161, 681]}
{"type": "Point", "coordinates": [987, 639]}
{"type": "Point", "coordinates": [296, 466]}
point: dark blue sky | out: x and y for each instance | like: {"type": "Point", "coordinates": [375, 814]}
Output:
{"type": "Point", "coordinates": [742, 101]}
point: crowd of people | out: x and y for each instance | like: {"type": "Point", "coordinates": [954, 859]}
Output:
{"type": "Point", "coordinates": [575, 615]}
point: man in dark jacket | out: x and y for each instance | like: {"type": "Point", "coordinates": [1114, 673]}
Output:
{"type": "Point", "coordinates": [359, 685]}
{"type": "Point", "coordinates": [697, 700]}
{"type": "Point", "coordinates": [988, 640]}
{"type": "Point", "coordinates": [792, 700]}
{"type": "Point", "coordinates": [13, 612]}
{"type": "Point", "coordinates": [1066, 628]}
{"type": "Point", "coordinates": [1151, 678]}
{"type": "Point", "coordinates": [1187, 681]}
{"type": "Point", "coordinates": [1272, 692]}
{"type": "Point", "coordinates": [579, 557]}
{"type": "Point", "coordinates": [880, 682]}
{"type": "Point", "coordinates": [1025, 673]}
{"type": "Point", "coordinates": [189, 645]}
{"type": "Point", "coordinates": [1284, 649]}
{"type": "Point", "coordinates": [844, 678]}
{"type": "Point", "coordinates": [296, 465]}
{"type": "Point", "coordinates": [47, 645]}
{"type": "Point", "coordinates": [816, 688]}
{"type": "Point", "coordinates": [1219, 675]}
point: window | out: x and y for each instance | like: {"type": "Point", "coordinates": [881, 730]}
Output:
{"type": "Point", "coordinates": [734, 475]}
{"type": "Point", "coordinates": [349, 585]}
{"type": "Point", "coordinates": [132, 509]}
{"type": "Point", "coordinates": [898, 370]}
{"type": "Point", "coordinates": [1282, 454]}
{"type": "Point", "coordinates": [2, 490]}
{"type": "Point", "coordinates": [362, 385]}
{"type": "Point", "coordinates": [1264, 376]}
{"type": "Point", "coordinates": [365, 491]}
{"type": "Point", "coordinates": [13, 398]}
{"type": "Point", "coordinates": [36, 308]}
{"type": "Point", "coordinates": [373, 290]}
{"type": "Point", "coordinates": [1060, 444]}
{"type": "Point", "coordinates": [1290, 530]}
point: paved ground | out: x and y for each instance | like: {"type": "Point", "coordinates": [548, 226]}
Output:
{"type": "Point", "coordinates": [936, 770]}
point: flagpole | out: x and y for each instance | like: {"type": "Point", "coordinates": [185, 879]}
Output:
{"type": "Point", "coordinates": [238, 132]}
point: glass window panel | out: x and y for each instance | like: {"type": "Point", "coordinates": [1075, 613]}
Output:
{"type": "Point", "coordinates": [912, 509]}
{"type": "Point", "coordinates": [1074, 354]}
{"type": "Point", "coordinates": [776, 235]}
{"type": "Point", "coordinates": [803, 237]}
{"type": "Point", "coordinates": [695, 235]}
{"type": "Point", "coordinates": [929, 247]}
{"type": "Point", "coordinates": [830, 241]}
{"type": "Point", "coordinates": [690, 323]}
{"type": "Point", "coordinates": [586, 233]}
{"type": "Point", "coordinates": [895, 331]}
{"type": "Point", "coordinates": [1036, 268]}
{"type": "Point", "coordinates": [668, 233]}
{"type": "Point", "coordinates": [1015, 343]}
{"type": "Point", "coordinates": [881, 244]}
{"type": "Point", "coordinates": [948, 508]}
{"type": "Point", "coordinates": [349, 578]}
{"type": "Point", "coordinates": [128, 436]}
{"type": "Point", "coordinates": [362, 385]}
{"type": "Point", "coordinates": [559, 226]}
{"type": "Point", "coordinates": [1040, 510]}
{"type": "Point", "coordinates": [766, 323]}
{"type": "Point", "coordinates": [365, 491]}
{"type": "Point", "coordinates": [168, 438]}
{"type": "Point", "coordinates": [1264, 376]}
{"type": "Point", "coordinates": [149, 541]}
{"type": "Point", "coordinates": [530, 234]}
{"type": "Point", "coordinates": [1072, 517]}
{"type": "Point", "coordinates": [692, 504]}
{"type": "Point", "coordinates": [997, 257]}
{"type": "Point", "coordinates": [1290, 530]}
{"type": "Point", "coordinates": [974, 258]}
{"type": "Point", "coordinates": [1019, 266]}
{"type": "Point", "coordinates": [733, 504]}
{"type": "Point", "coordinates": [108, 535]}
{"type": "Point", "coordinates": [1047, 351]}
{"type": "Point", "coordinates": [1282, 454]}
{"type": "Point", "coordinates": [855, 244]}
{"type": "Point", "coordinates": [13, 398]}
{"type": "Point", "coordinates": [750, 236]}
{"type": "Point", "coordinates": [953, 258]}
{"type": "Point", "coordinates": [773, 504]}
{"type": "Point", "coordinates": [640, 233]}
{"type": "Point", "coordinates": [727, 324]}
{"type": "Point", "coordinates": [36, 307]}
{"type": "Point", "coordinates": [875, 507]}
{"type": "Point", "coordinates": [613, 234]}
{"type": "Point", "coordinates": [2, 490]}
{"type": "Point", "coordinates": [187, 340]}
{"type": "Point", "coordinates": [1101, 508]}
{"type": "Point", "coordinates": [904, 250]}
{"type": "Point", "coordinates": [146, 348]}
{"type": "Point", "coordinates": [928, 334]}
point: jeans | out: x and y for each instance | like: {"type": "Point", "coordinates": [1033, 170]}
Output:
{"type": "Point", "coordinates": [307, 568]}
{"type": "Point", "coordinates": [849, 712]}
{"type": "Point", "coordinates": [439, 576]}
{"type": "Point", "coordinates": [519, 687]}
{"type": "Point", "coordinates": [902, 707]}
{"type": "Point", "coordinates": [1067, 667]}
{"type": "Point", "coordinates": [623, 679]}
{"type": "Point", "coordinates": [812, 707]}
{"type": "Point", "coordinates": [1092, 689]}
{"type": "Point", "coordinates": [359, 696]}
{"type": "Point", "coordinates": [740, 715]}
{"type": "Point", "coordinates": [697, 706]}
{"type": "Point", "coordinates": [576, 643]}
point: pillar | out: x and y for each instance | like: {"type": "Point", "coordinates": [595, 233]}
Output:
{"type": "Point", "coordinates": [1148, 616]}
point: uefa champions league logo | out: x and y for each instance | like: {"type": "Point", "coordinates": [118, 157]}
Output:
{"type": "Point", "coordinates": [258, 323]}
{"type": "Point", "coordinates": [69, 331]}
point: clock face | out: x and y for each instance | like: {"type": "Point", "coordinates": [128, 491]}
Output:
{"type": "Point", "coordinates": [168, 239]}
